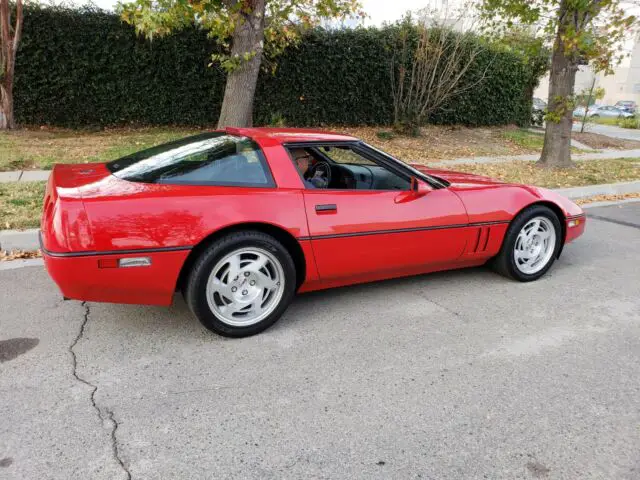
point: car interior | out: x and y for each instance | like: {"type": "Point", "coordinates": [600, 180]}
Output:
{"type": "Point", "coordinates": [342, 167]}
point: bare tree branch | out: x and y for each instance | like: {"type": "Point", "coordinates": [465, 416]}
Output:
{"type": "Point", "coordinates": [440, 60]}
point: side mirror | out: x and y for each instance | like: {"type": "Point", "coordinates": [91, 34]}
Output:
{"type": "Point", "coordinates": [419, 187]}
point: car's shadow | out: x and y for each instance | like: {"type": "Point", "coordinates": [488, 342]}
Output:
{"type": "Point", "coordinates": [178, 319]}
{"type": "Point", "coordinates": [304, 308]}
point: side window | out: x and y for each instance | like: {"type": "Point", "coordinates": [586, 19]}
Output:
{"type": "Point", "coordinates": [343, 167]}
{"type": "Point", "coordinates": [209, 159]}
{"type": "Point", "coordinates": [346, 155]}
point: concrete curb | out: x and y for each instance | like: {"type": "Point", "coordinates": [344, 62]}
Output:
{"type": "Point", "coordinates": [19, 239]}
{"type": "Point", "coordinates": [20, 263]}
{"type": "Point", "coordinates": [28, 239]}
{"type": "Point", "coordinates": [603, 189]}
{"type": "Point", "coordinates": [609, 203]}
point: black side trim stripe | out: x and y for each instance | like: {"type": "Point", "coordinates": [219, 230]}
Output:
{"type": "Point", "coordinates": [93, 253]}
{"type": "Point", "coordinates": [401, 230]}
{"type": "Point", "coordinates": [573, 217]}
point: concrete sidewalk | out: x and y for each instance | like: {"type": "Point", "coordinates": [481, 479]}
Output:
{"type": "Point", "coordinates": [25, 176]}
{"type": "Point", "coordinates": [578, 157]}
{"type": "Point", "coordinates": [43, 175]}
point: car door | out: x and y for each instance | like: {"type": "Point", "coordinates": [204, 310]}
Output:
{"type": "Point", "coordinates": [363, 231]}
{"type": "Point", "coordinates": [610, 112]}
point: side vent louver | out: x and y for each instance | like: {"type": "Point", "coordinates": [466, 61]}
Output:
{"type": "Point", "coordinates": [482, 239]}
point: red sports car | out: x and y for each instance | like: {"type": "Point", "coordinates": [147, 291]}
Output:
{"type": "Point", "coordinates": [240, 220]}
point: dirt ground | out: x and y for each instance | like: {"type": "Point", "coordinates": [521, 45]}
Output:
{"type": "Point", "coordinates": [597, 141]}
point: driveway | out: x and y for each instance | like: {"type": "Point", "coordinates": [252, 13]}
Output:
{"type": "Point", "coordinates": [609, 130]}
{"type": "Point", "coordinates": [452, 375]}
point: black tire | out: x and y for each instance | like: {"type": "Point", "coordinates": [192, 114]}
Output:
{"type": "Point", "coordinates": [505, 264]}
{"type": "Point", "coordinates": [195, 291]}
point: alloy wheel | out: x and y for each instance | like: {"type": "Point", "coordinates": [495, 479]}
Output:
{"type": "Point", "coordinates": [245, 286]}
{"type": "Point", "coordinates": [535, 245]}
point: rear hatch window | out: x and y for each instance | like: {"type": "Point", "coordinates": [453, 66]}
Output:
{"type": "Point", "coordinates": [214, 158]}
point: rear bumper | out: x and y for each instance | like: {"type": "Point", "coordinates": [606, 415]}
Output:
{"type": "Point", "coordinates": [85, 277]}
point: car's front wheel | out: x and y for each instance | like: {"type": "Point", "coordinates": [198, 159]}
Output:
{"type": "Point", "coordinates": [530, 245]}
{"type": "Point", "coordinates": [241, 284]}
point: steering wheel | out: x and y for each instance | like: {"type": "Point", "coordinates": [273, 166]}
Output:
{"type": "Point", "coordinates": [320, 169]}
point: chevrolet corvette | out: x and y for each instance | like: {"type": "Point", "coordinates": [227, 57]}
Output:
{"type": "Point", "coordinates": [240, 220]}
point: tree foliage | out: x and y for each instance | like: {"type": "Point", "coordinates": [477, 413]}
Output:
{"type": "Point", "coordinates": [580, 32]}
{"type": "Point", "coordinates": [285, 21]}
{"type": "Point", "coordinates": [591, 31]}
{"type": "Point", "coordinates": [247, 32]}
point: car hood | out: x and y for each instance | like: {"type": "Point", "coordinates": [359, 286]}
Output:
{"type": "Point", "coordinates": [460, 179]}
{"type": "Point", "coordinates": [468, 184]}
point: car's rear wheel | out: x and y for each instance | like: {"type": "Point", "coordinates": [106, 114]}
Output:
{"type": "Point", "coordinates": [530, 245]}
{"type": "Point", "coordinates": [241, 284]}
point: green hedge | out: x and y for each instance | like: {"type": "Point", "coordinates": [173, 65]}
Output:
{"type": "Point", "coordinates": [86, 67]}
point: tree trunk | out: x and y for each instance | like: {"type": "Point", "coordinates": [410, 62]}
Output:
{"type": "Point", "coordinates": [6, 104]}
{"type": "Point", "coordinates": [237, 105]}
{"type": "Point", "coordinates": [556, 151]}
{"type": "Point", "coordinates": [8, 48]}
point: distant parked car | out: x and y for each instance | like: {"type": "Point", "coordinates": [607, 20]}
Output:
{"type": "Point", "coordinates": [604, 111]}
{"type": "Point", "coordinates": [539, 104]}
{"type": "Point", "coordinates": [538, 109]}
{"type": "Point", "coordinates": [627, 105]}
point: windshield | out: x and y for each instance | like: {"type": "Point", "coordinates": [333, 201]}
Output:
{"type": "Point", "coordinates": [434, 181]}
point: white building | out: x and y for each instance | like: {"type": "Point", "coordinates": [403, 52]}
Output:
{"type": "Point", "coordinates": [624, 84]}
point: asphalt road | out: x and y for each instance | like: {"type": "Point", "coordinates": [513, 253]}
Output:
{"type": "Point", "coordinates": [452, 375]}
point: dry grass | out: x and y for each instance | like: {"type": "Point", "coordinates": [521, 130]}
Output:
{"type": "Point", "coordinates": [590, 172]}
{"type": "Point", "coordinates": [445, 143]}
{"type": "Point", "coordinates": [6, 256]}
{"type": "Point", "coordinates": [597, 141]}
{"type": "Point", "coordinates": [607, 198]}
{"type": "Point", "coordinates": [41, 148]}
{"type": "Point", "coordinates": [20, 204]}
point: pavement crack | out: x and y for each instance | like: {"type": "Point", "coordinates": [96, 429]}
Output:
{"type": "Point", "coordinates": [443, 307]}
{"type": "Point", "coordinates": [105, 415]}
{"type": "Point", "coordinates": [114, 443]}
{"type": "Point", "coordinates": [74, 358]}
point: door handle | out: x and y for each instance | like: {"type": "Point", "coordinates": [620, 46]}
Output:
{"type": "Point", "coordinates": [327, 208]}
